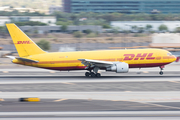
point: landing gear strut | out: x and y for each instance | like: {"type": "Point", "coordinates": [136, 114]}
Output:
{"type": "Point", "coordinates": [94, 73]}
{"type": "Point", "coordinates": [161, 72]}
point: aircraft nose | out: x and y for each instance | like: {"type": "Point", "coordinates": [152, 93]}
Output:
{"type": "Point", "coordinates": [177, 59]}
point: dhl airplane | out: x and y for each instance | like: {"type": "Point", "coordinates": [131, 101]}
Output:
{"type": "Point", "coordinates": [119, 61]}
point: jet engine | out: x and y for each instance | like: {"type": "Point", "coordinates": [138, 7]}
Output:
{"type": "Point", "coordinates": [120, 67]}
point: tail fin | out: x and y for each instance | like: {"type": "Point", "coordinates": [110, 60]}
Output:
{"type": "Point", "coordinates": [24, 45]}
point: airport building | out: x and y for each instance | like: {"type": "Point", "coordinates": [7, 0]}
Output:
{"type": "Point", "coordinates": [122, 6]}
{"type": "Point", "coordinates": [43, 19]}
{"type": "Point", "coordinates": [127, 25]}
{"type": "Point", "coordinates": [53, 9]}
{"type": "Point", "coordinates": [57, 29]}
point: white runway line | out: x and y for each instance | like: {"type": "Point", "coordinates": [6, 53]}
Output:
{"type": "Point", "coordinates": [88, 80]}
{"type": "Point", "coordinates": [158, 105]}
{"type": "Point", "coordinates": [95, 113]}
{"type": "Point", "coordinates": [60, 100]}
{"type": "Point", "coordinates": [67, 83]}
{"type": "Point", "coordinates": [175, 81]}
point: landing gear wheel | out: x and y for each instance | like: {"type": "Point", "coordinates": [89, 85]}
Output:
{"type": "Point", "coordinates": [87, 74]}
{"type": "Point", "coordinates": [161, 72]}
{"type": "Point", "coordinates": [98, 75]}
{"type": "Point", "coordinates": [93, 74]}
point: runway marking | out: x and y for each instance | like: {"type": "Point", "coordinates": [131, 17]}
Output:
{"type": "Point", "coordinates": [67, 83]}
{"type": "Point", "coordinates": [142, 106]}
{"type": "Point", "coordinates": [161, 105]}
{"type": "Point", "coordinates": [52, 71]}
{"type": "Point", "coordinates": [89, 99]}
{"type": "Point", "coordinates": [60, 100]}
{"type": "Point", "coordinates": [174, 81]}
{"type": "Point", "coordinates": [127, 91]}
{"type": "Point", "coordinates": [5, 71]}
{"type": "Point", "coordinates": [146, 72]}
{"type": "Point", "coordinates": [116, 100]}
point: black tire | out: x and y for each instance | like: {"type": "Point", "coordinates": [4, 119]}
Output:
{"type": "Point", "coordinates": [87, 74]}
{"type": "Point", "coordinates": [93, 74]}
{"type": "Point", "coordinates": [161, 73]}
{"type": "Point", "coordinates": [98, 75]}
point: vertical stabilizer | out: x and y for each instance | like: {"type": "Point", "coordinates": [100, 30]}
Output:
{"type": "Point", "coordinates": [24, 45]}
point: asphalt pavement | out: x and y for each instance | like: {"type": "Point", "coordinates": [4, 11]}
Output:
{"type": "Point", "coordinates": [139, 94]}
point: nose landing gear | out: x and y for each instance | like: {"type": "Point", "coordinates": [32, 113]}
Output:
{"type": "Point", "coordinates": [161, 72]}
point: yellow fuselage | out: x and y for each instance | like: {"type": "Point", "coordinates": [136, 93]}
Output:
{"type": "Point", "coordinates": [136, 58]}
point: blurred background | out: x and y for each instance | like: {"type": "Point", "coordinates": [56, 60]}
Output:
{"type": "Point", "coordinates": [78, 25]}
{"type": "Point", "coordinates": [81, 25]}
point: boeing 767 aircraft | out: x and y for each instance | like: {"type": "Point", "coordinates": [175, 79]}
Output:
{"type": "Point", "coordinates": [119, 61]}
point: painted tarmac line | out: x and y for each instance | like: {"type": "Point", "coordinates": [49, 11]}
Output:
{"type": "Point", "coordinates": [73, 82]}
{"type": "Point", "coordinates": [174, 81]}
{"type": "Point", "coordinates": [95, 113]}
{"type": "Point", "coordinates": [67, 83]}
{"type": "Point", "coordinates": [60, 100]}
{"type": "Point", "coordinates": [158, 105]}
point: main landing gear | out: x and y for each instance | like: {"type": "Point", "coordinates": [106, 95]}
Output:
{"type": "Point", "coordinates": [94, 73]}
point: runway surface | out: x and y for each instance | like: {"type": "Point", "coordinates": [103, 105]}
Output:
{"type": "Point", "coordinates": [97, 118]}
{"type": "Point", "coordinates": [69, 105]}
{"type": "Point", "coordinates": [132, 93]}
{"type": "Point", "coordinates": [54, 85]}
{"type": "Point", "coordinates": [131, 82]}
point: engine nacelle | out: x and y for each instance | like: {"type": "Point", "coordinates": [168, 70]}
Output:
{"type": "Point", "coordinates": [120, 67]}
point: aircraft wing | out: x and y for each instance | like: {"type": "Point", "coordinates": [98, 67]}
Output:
{"type": "Point", "coordinates": [95, 63]}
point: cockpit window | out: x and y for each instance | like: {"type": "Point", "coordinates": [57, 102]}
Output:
{"type": "Point", "coordinates": [169, 54]}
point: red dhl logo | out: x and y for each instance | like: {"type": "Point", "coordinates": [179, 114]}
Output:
{"type": "Point", "coordinates": [140, 56]}
{"type": "Point", "coordinates": [24, 42]}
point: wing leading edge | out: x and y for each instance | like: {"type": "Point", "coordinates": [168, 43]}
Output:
{"type": "Point", "coordinates": [95, 63]}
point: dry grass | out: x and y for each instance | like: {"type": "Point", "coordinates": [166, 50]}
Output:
{"type": "Point", "coordinates": [68, 38]}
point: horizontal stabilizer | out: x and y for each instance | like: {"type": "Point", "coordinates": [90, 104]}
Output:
{"type": "Point", "coordinates": [26, 60]}
{"type": "Point", "coordinates": [11, 57]}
